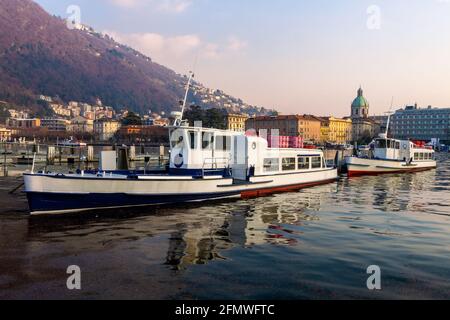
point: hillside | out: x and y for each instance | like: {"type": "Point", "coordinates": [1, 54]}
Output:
{"type": "Point", "coordinates": [40, 55]}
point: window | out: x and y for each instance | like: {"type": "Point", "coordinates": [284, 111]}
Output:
{"type": "Point", "coordinates": [223, 143]}
{"type": "Point", "coordinates": [288, 164]}
{"type": "Point", "coordinates": [193, 139]}
{"type": "Point", "coordinates": [271, 165]}
{"type": "Point", "coordinates": [316, 162]}
{"type": "Point", "coordinates": [303, 163]}
{"type": "Point", "coordinates": [207, 140]}
{"type": "Point", "coordinates": [381, 144]}
{"type": "Point", "coordinates": [176, 140]}
{"type": "Point", "coordinates": [397, 145]}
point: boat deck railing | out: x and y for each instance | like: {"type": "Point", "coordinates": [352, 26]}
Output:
{"type": "Point", "coordinates": [211, 164]}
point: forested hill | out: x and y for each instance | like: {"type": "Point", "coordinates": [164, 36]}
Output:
{"type": "Point", "coordinates": [40, 55]}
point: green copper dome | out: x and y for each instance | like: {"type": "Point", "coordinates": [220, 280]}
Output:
{"type": "Point", "coordinates": [360, 101]}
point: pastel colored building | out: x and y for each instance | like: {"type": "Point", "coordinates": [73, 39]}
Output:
{"type": "Point", "coordinates": [306, 126]}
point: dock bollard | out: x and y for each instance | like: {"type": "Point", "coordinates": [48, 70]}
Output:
{"type": "Point", "coordinates": [161, 155]}
{"type": "Point", "coordinates": [132, 154]}
{"type": "Point", "coordinates": [122, 158]}
{"type": "Point", "coordinates": [90, 154]}
{"type": "Point", "coordinates": [51, 155]}
{"type": "Point", "coordinates": [5, 166]}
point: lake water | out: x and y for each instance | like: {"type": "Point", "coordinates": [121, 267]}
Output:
{"type": "Point", "coordinates": [313, 244]}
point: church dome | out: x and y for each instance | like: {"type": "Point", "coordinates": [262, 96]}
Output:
{"type": "Point", "coordinates": [360, 101]}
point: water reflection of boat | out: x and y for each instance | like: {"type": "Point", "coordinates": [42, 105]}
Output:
{"type": "Point", "coordinates": [193, 234]}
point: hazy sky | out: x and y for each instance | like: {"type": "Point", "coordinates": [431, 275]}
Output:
{"type": "Point", "coordinates": [297, 56]}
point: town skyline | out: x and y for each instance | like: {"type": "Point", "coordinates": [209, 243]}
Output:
{"type": "Point", "coordinates": [267, 58]}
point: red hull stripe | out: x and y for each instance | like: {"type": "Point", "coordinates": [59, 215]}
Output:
{"type": "Point", "coordinates": [291, 188]}
{"type": "Point", "coordinates": [354, 173]}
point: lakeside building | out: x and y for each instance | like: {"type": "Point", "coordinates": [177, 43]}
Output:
{"type": "Point", "coordinates": [105, 129]}
{"type": "Point", "coordinates": [18, 114]}
{"type": "Point", "coordinates": [307, 126]}
{"type": "Point", "coordinates": [381, 122]}
{"type": "Point", "coordinates": [23, 123]}
{"type": "Point", "coordinates": [5, 134]}
{"type": "Point", "coordinates": [364, 128]}
{"type": "Point", "coordinates": [421, 123]}
{"type": "Point", "coordinates": [60, 110]}
{"type": "Point", "coordinates": [144, 133]}
{"type": "Point", "coordinates": [80, 125]}
{"type": "Point", "coordinates": [336, 130]}
{"type": "Point", "coordinates": [53, 124]}
{"type": "Point", "coordinates": [324, 130]}
{"type": "Point", "coordinates": [161, 122]}
{"type": "Point", "coordinates": [236, 122]}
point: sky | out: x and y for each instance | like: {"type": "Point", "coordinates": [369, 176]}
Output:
{"type": "Point", "coordinates": [296, 56]}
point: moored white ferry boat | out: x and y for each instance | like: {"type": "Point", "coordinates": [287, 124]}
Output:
{"type": "Point", "coordinates": [205, 164]}
{"type": "Point", "coordinates": [392, 156]}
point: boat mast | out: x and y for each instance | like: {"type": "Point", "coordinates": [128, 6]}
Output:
{"type": "Point", "coordinates": [389, 117]}
{"type": "Point", "coordinates": [179, 121]}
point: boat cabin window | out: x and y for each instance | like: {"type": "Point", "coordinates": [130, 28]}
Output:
{"type": "Point", "coordinates": [193, 139]}
{"type": "Point", "coordinates": [176, 140]}
{"type": "Point", "coordinates": [387, 144]}
{"type": "Point", "coordinates": [223, 143]}
{"type": "Point", "coordinates": [303, 163]}
{"type": "Point", "coordinates": [316, 162]}
{"type": "Point", "coordinates": [381, 144]}
{"type": "Point", "coordinates": [288, 164]}
{"type": "Point", "coordinates": [207, 140]}
{"type": "Point", "coordinates": [271, 165]}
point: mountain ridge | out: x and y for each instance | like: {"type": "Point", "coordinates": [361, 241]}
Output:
{"type": "Point", "coordinates": [40, 55]}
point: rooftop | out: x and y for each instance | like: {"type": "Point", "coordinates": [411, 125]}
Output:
{"type": "Point", "coordinates": [288, 117]}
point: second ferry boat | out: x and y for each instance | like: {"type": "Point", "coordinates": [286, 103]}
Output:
{"type": "Point", "coordinates": [388, 155]}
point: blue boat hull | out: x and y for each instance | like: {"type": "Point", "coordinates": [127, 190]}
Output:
{"type": "Point", "coordinates": [47, 203]}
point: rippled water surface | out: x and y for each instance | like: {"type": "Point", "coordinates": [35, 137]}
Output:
{"type": "Point", "coordinates": [313, 244]}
